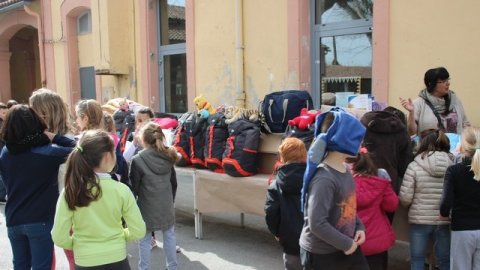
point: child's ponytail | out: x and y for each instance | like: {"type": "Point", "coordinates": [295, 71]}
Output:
{"type": "Point", "coordinates": [81, 183]}
{"type": "Point", "coordinates": [152, 136]}
{"type": "Point", "coordinates": [363, 163]}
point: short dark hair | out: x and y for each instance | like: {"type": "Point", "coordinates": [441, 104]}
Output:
{"type": "Point", "coordinates": [146, 110]}
{"type": "Point", "coordinates": [21, 122]}
{"type": "Point", "coordinates": [432, 76]}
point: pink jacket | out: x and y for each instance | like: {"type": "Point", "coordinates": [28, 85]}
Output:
{"type": "Point", "coordinates": [375, 197]}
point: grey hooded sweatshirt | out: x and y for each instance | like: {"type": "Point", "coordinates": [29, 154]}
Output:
{"type": "Point", "coordinates": [150, 173]}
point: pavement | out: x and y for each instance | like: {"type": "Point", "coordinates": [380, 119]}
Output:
{"type": "Point", "coordinates": [225, 244]}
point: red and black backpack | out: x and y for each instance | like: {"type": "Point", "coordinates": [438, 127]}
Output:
{"type": "Point", "coordinates": [240, 156]}
{"type": "Point", "coordinates": [182, 138]}
{"type": "Point", "coordinates": [215, 139]}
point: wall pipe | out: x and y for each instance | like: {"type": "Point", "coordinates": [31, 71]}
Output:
{"type": "Point", "coordinates": [241, 97]}
{"type": "Point", "coordinates": [41, 47]}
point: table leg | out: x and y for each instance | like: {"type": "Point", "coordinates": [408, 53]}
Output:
{"type": "Point", "coordinates": [198, 225]}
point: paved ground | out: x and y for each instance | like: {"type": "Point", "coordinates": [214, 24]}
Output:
{"type": "Point", "coordinates": [225, 246]}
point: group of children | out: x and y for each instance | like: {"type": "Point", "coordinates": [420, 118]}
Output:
{"type": "Point", "coordinates": [95, 214]}
{"type": "Point", "coordinates": [348, 200]}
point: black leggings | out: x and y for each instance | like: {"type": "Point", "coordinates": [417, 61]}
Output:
{"type": "Point", "coordinates": [121, 265]}
{"type": "Point", "coordinates": [333, 261]}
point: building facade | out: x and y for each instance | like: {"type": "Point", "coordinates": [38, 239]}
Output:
{"type": "Point", "coordinates": [163, 53]}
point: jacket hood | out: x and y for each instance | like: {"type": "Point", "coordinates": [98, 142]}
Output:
{"type": "Point", "coordinates": [435, 163]}
{"type": "Point", "coordinates": [157, 162]}
{"type": "Point", "coordinates": [290, 177]}
{"type": "Point", "coordinates": [382, 122]}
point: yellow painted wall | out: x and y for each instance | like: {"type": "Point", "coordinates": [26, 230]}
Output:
{"type": "Point", "coordinates": [59, 50]}
{"type": "Point", "coordinates": [265, 54]}
{"type": "Point", "coordinates": [431, 33]}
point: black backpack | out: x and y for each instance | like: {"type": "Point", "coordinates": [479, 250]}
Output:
{"type": "Point", "coordinates": [215, 139]}
{"type": "Point", "coordinates": [197, 141]}
{"type": "Point", "coordinates": [279, 107]}
{"type": "Point", "coordinates": [182, 138]}
{"type": "Point", "coordinates": [240, 156]}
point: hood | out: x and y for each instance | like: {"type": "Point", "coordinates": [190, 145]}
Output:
{"type": "Point", "coordinates": [157, 162]}
{"type": "Point", "coordinates": [435, 163]}
{"type": "Point", "coordinates": [382, 122]}
{"type": "Point", "coordinates": [290, 177]}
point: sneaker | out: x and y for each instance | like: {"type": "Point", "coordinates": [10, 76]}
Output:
{"type": "Point", "coordinates": [153, 244]}
{"type": "Point", "coordinates": [178, 249]}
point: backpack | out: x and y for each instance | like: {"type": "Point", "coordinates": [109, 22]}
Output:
{"type": "Point", "coordinates": [215, 140]}
{"type": "Point", "coordinates": [240, 156]}
{"type": "Point", "coordinates": [197, 141]}
{"type": "Point", "coordinates": [279, 107]}
{"type": "Point", "coordinates": [182, 138]}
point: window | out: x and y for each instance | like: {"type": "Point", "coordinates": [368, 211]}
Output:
{"type": "Point", "coordinates": [172, 56]}
{"type": "Point", "coordinates": [342, 42]}
{"type": "Point", "coordinates": [84, 23]}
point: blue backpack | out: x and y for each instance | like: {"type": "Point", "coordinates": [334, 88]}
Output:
{"type": "Point", "coordinates": [279, 107]}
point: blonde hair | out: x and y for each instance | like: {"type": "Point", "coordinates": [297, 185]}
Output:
{"type": "Point", "coordinates": [153, 137]}
{"type": "Point", "coordinates": [471, 148]}
{"type": "Point", "coordinates": [292, 150]}
{"type": "Point", "coordinates": [51, 107]}
{"type": "Point", "coordinates": [93, 110]}
{"type": "Point", "coordinates": [108, 122]}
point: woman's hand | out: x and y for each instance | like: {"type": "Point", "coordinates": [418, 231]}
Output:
{"type": "Point", "coordinates": [407, 104]}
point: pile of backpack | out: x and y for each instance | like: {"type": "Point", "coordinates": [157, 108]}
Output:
{"type": "Point", "coordinates": [209, 143]}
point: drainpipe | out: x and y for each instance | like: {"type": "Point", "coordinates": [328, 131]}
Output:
{"type": "Point", "coordinates": [241, 97]}
{"type": "Point", "coordinates": [41, 37]}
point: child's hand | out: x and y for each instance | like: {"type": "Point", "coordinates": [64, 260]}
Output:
{"type": "Point", "coordinates": [50, 135]}
{"type": "Point", "coordinates": [352, 248]}
{"type": "Point", "coordinates": [359, 237]}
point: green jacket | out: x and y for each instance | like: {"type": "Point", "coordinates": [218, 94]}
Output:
{"type": "Point", "coordinates": [98, 235]}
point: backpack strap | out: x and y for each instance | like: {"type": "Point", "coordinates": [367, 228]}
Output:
{"type": "Point", "coordinates": [440, 124]}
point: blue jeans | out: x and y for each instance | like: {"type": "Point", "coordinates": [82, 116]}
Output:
{"type": "Point", "coordinates": [169, 248]}
{"type": "Point", "coordinates": [419, 236]}
{"type": "Point", "coordinates": [32, 246]}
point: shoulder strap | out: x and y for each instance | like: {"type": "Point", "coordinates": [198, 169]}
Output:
{"type": "Point", "coordinates": [440, 124]}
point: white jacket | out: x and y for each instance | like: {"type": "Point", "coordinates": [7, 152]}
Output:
{"type": "Point", "coordinates": [422, 188]}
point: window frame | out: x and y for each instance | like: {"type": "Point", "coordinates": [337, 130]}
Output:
{"type": "Point", "coordinates": [87, 13]}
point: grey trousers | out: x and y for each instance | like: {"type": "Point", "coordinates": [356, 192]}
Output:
{"type": "Point", "coordinates": [465, 250]}
{"type": "Point", "coordinates": [292, 262]}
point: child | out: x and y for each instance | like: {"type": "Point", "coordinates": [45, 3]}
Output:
{"type": "Point", "coordinates": [90, 116]}
{"type": "Point", "coordinates": [110, 127]}
{"type": "Point", "coordinates": [421, 190]}
{"type": "Point", "coordinates": [54, 111]}
{"type": "Point", "coordinates": [94, 206]}
{"type": "Point", "coordinates": [283, 216]}
{"type": "Point", "coordinates": [29, 165]}
{"type": "Point", "coordinates": [150, 173]}
{"type": "Point", "coordinates": [375, 198]}
{"type": "Point", "coordinates": [332, 230]}
{"type": "Point", "coordinates": [461, 201]}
